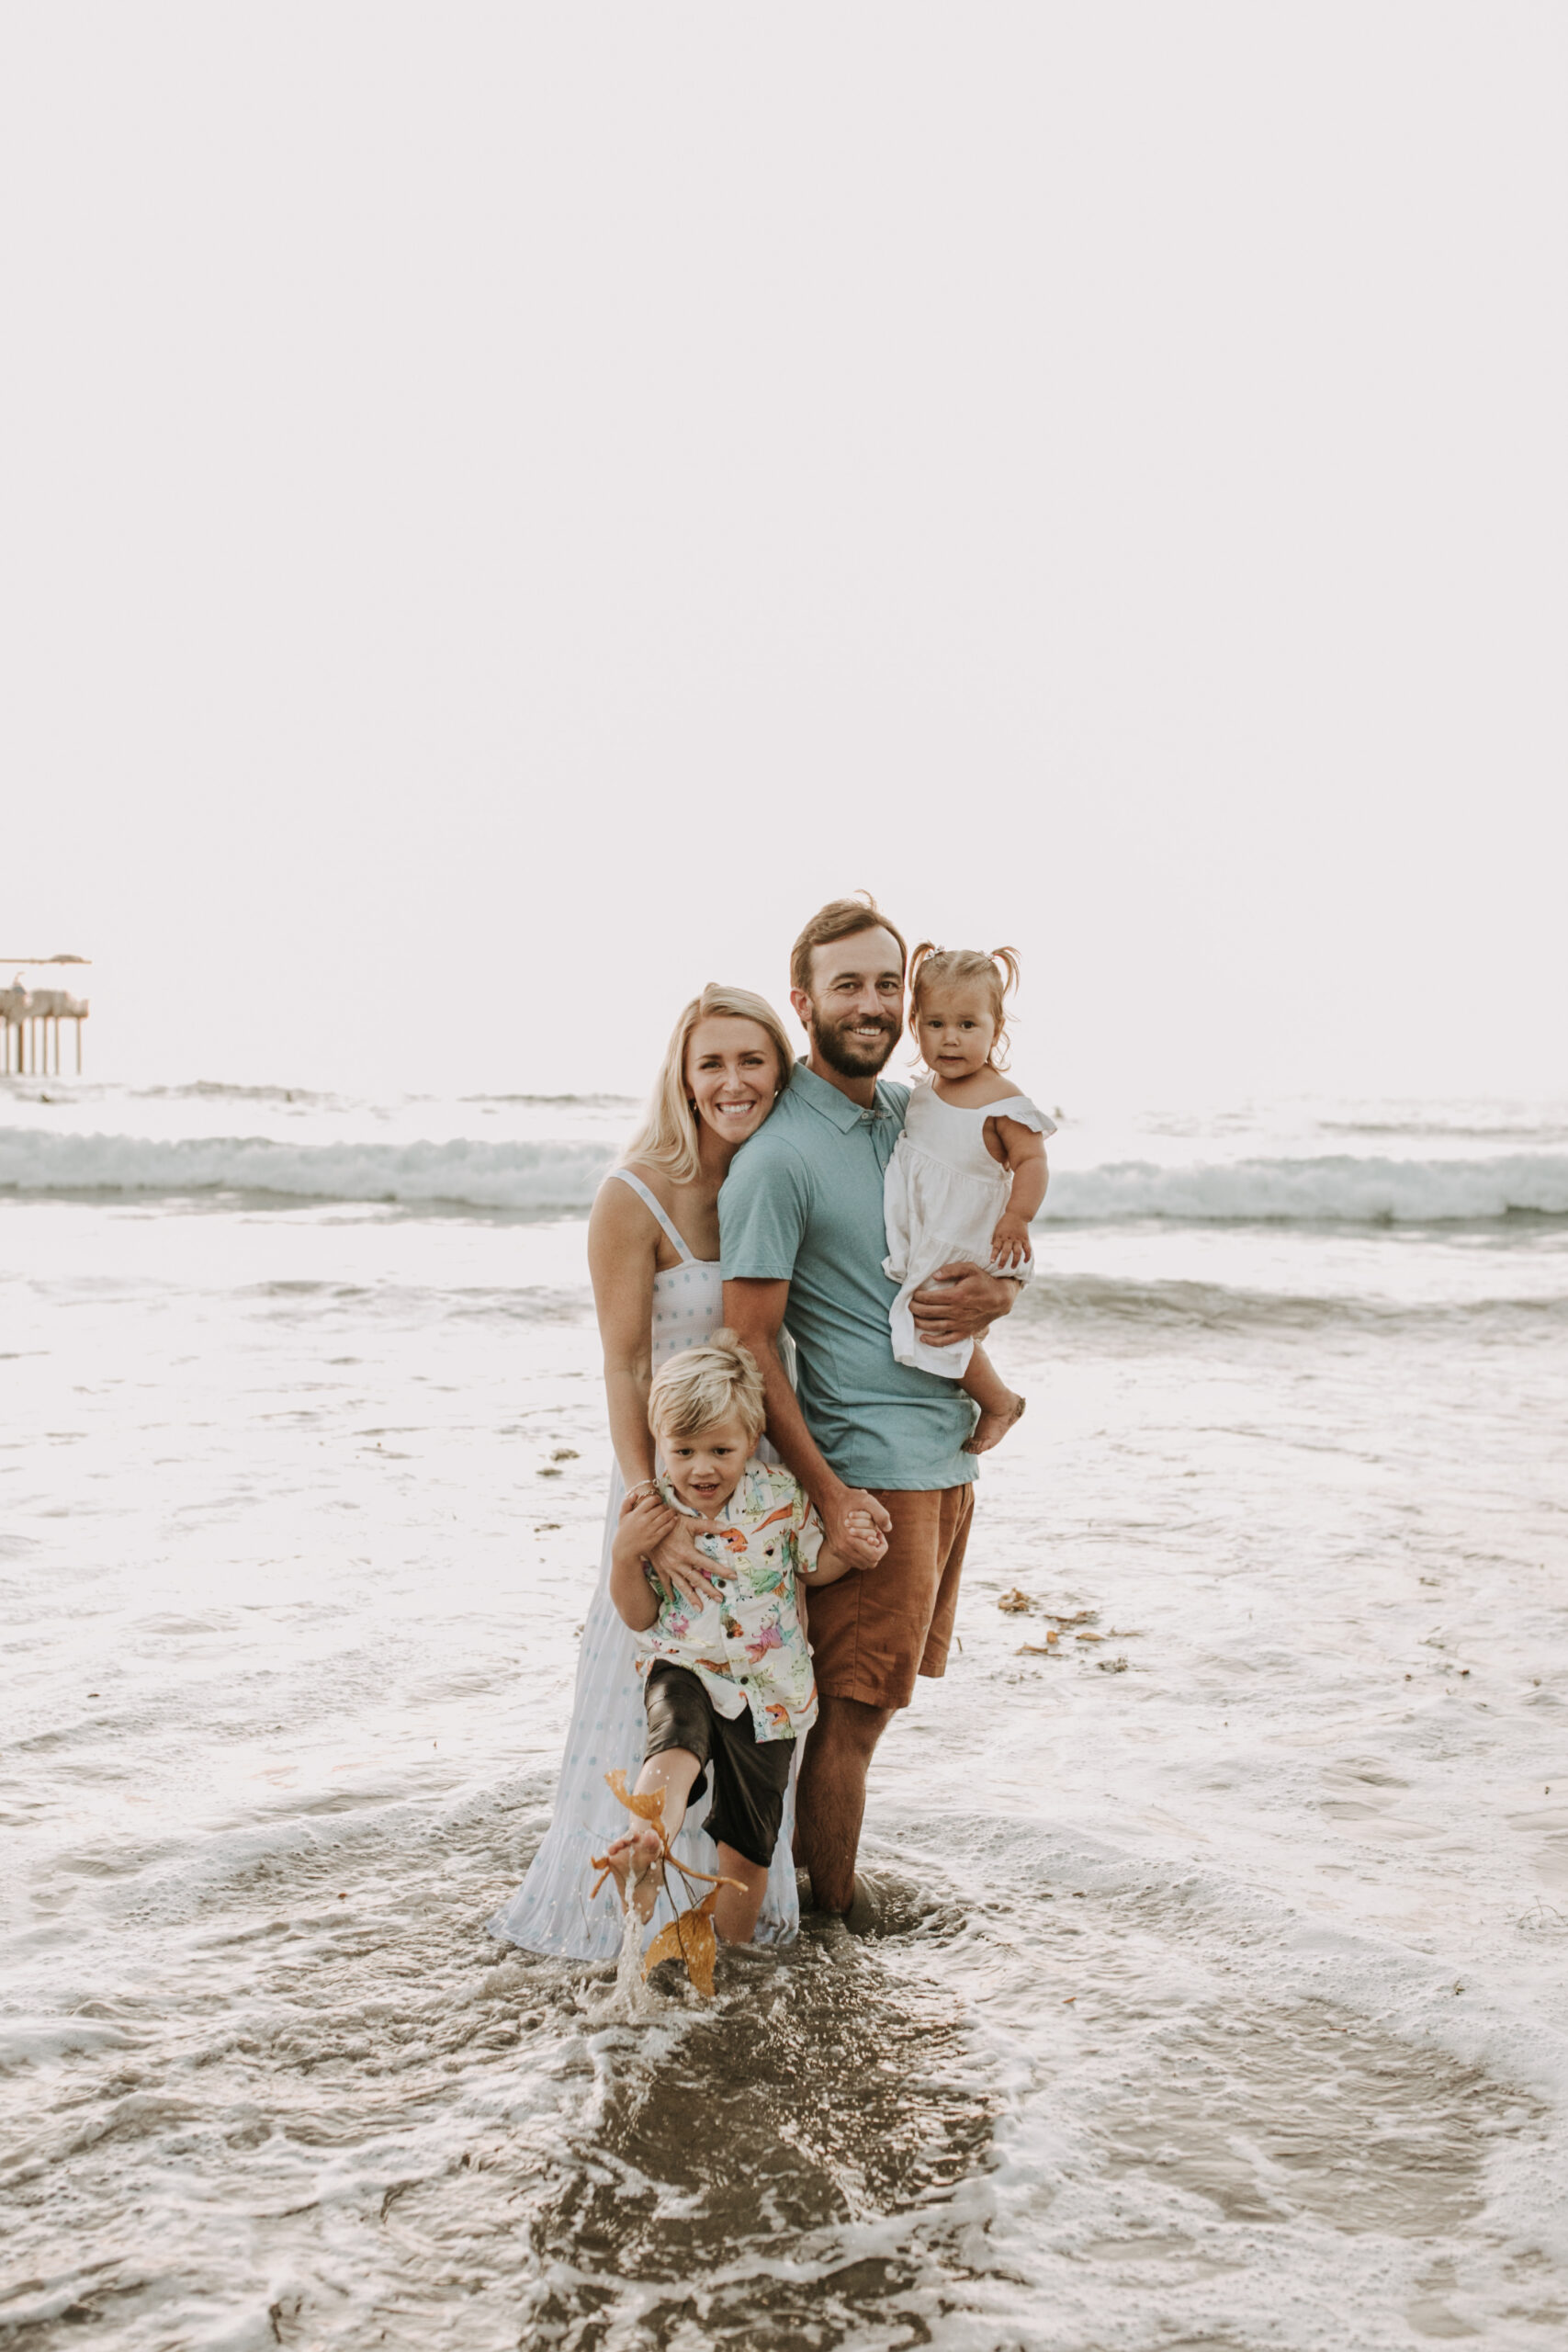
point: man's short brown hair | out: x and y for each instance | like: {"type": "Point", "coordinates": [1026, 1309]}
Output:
{"type": "Point", "coordinates": [839, 919]}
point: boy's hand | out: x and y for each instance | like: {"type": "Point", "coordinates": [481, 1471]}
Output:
{"type": "Point", "coordinates": [834, 1560]}
{"type": "Point", "coordinates": [855, 1524]}
{"type": "Point", "coordinates": [1011, 1244]}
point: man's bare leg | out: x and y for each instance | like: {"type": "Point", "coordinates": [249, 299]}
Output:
{"type": "Point", "coordinates": [739, 1908]}
{"type": "Point", "coordinates": [830, 1800]}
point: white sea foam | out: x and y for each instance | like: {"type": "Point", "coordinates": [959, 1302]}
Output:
{"type": "Point", "coordinates": [1225, 1998]}
{"type": "Point", "coordinates": [563, 1175]}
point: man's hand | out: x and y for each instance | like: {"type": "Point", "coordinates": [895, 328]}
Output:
{"type": "Point", "coordinates": [856, 1526]}
{"type": "Point", "coordinates": [960, 1302]}
{"type": "Point", "coordinates": [677, 1562]}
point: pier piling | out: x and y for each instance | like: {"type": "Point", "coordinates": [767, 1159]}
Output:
{"type": "Point", "coordinates": [30, 1020]}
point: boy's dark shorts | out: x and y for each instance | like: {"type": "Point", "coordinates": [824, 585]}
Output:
{"type": "Point", "coordinates": [750, 1775]}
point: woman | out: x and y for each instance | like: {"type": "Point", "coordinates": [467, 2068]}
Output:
{"type": "Point", "coordinates": [653, 1255]}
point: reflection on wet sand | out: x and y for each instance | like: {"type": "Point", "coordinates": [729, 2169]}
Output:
{"type": "Point", "coordinates": [376, 2096]}
{"type": "Point", "coordinates": [716, 2187]}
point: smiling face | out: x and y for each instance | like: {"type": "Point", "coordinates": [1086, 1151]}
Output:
{"type": "Point", "coordinates": [705, 1469]}
{"type": "Point", "coordinates": [732, 1075]}
{"type": "Point", "coordinates": [853, 1010]}
{"type": "Point", "coordinates": [955, 1027]}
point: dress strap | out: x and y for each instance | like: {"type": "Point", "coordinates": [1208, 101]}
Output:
{"type": "Point", "coordinates": [688, 1256]}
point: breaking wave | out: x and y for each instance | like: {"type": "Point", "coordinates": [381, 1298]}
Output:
{"type": "Point", "coordinates": [1342, 1190]}
{"type": "Point", "coordinates": [536, 1177]}
{"type": "Point", "coordinates": [560, 1177]}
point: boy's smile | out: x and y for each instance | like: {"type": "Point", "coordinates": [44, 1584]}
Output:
{"type": "Point", "coordinates": [705, 1469]}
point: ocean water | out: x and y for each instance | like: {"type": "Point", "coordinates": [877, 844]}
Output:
{"type": "Point", "coordinates": [1222, 2003]}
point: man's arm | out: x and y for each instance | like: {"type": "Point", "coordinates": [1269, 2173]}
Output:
{"type": "Point", "coordinates": [755, 1310]}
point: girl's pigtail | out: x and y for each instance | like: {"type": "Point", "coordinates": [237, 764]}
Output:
{"type": "Point", "coordinates": [927, 947]}
{"type": "Point", "coordinates": [1007, 959]}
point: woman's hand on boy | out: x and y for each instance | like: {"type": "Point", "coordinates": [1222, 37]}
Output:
{"type": "Point", "coordinates": [645, 1519]}
{"type": "Point", "coordinates": [666, 1543]}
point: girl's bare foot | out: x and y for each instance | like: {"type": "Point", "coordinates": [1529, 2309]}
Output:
{"type": "Point", "coordinates": [991, 1428]}
{"type": "Point", "coordinates": [638, 1862]}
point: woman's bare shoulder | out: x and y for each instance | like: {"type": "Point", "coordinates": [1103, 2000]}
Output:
{"type": "Point", "coordinates": [657, 1181]}
{"type": "Point", "coordinates": [617, 1208]}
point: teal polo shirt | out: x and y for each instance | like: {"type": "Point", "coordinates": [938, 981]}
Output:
{"type": "Point", "coordinates": [802, 1204]}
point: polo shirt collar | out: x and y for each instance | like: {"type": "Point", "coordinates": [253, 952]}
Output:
{"type": "Point", "coordinates": [834, 1106]}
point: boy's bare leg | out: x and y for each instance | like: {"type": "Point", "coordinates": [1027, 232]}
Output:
{"type": "Point", "coordinates": [735, 1915]}
{"type": "Point", "coordinates": [999, 1404]}
{"type": "Point", "coordinates": [830, 1800]}
{"type": "Point", "coordinates": [639, 1855]}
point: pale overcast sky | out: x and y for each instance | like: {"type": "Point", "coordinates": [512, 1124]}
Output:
{"type": "Point", "coordinates": [506, 508]}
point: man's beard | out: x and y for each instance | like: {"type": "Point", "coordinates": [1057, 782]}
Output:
{"type": "Point", "coordinates": [853, 1057]}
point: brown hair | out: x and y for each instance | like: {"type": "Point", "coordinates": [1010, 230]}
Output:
{"type": "Point", "coordinates": [839, 919]}
{"type": "Point", "coordinates": [702, 1385]}
{"type": "Point", "coordinates": [668, 1136]}
{"type": "Point", "coordinates": [929, 963]}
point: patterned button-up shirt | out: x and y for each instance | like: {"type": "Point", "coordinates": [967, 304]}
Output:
{"type": "Point", "coordinates": [749, 1646]}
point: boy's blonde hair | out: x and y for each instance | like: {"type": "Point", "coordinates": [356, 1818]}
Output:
{"type": "Point", "coordinates": [704, 1384]}
{"type": "Point", "coordinates": [668, 1136]}
{"type": "Point", "coordinates": [932, 965]}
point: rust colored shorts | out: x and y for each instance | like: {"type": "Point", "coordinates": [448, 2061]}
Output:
{"type": "Point", "coordinates": [874, 1630]}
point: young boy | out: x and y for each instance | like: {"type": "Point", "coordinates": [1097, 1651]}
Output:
{"type": "Point", "coordinates": [728, 1687]}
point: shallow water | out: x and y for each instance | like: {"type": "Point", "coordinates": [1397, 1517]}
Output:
{"type": "Point", "coordinates": [1222, 2004]}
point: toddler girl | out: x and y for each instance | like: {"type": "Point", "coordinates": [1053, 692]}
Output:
{"type": "Point", "coordinates": [729, 1685]}
{"type": "Point", "coordinates": [968, 1171]}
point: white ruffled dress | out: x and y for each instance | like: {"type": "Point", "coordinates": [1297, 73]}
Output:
{"type": "Point", "coordinates": [551, 1911]}
{"type": "Point", "coordinates": [941, 1196]}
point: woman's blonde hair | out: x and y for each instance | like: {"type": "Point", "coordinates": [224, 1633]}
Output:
{"type": "Point", "coordinates": [702, 1385]}
{"type": "Point", "coordinates": [668, 1136]}
{"type": "Point", "coordinates": [932, 965]}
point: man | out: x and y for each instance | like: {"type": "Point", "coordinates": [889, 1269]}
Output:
{"type": "Point", "coordinates": [800, 1216]}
